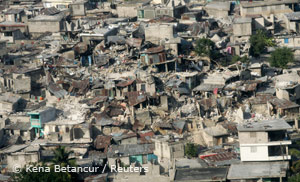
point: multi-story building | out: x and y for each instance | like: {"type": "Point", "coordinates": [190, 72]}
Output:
{"type": "Point", "coordinates": [267, 7]}
{"type": "Point", "coordinates": [264, 140]}
{"type": "Point", "coordinates": [167, 149]}
{"type": "Point", "coordinates": [39, 117]}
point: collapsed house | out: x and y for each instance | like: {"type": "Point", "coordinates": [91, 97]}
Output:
{"type": "Point", "coordinates": [126, 84]}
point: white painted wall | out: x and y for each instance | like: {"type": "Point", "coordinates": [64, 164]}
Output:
{"type": "Point", "coordinates": [261, 153]}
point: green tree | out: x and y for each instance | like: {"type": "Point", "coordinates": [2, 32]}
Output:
{"type": "Point", "coordinates": [281, 57]}
{"type": "Point", "coordinates": [259, 42]}
{"type": "Point", "coordinates": [62, 157]}
{"type": "Point", "coordinates": [296, 163]}
{"type": "Point", "coordinates": [205, 47]}
{"type": "Point", "coordinates": [294, 178]}
{"type": "Point", "coordinates": [237, 58]}
{"type": "Point", "coordinates": [191, 150]}
{"type": "Point", "coordinates": [295, 168]}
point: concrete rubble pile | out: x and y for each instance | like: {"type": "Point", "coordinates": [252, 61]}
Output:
{"type": "Point", "coordinates": [124, 83]}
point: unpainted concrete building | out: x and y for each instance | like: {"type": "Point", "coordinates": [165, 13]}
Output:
{"type": "Point", "coordinates": [41, 23]}
{"type": "Point", "coordinates": [292, 22]}
{"type": "Point", "coordinates": [15, 15]}
{"type": "Point", "coordinates": [11, 36]}
{"type": "Point", "coordinates": [167, 150]}
{"type": "Point", "coordinates": [218, 9]}
{"type": "Point", "coordinates": [166, 31]}
{"type": "Point", "coordinates": [129, 8]}
{"type": "Point", "coordinates": [152, 12]}
{"type": "Point", "coordinates": [242, 29]}
{"type": "Point", "coordinates": [267, 7]}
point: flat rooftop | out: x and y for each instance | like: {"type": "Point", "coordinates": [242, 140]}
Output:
{"type": "Point", "coordinates": [242, 20]}
{"type": "Point", "coordinates": [254, 170]}
{"type": "Point", "coordinates": [266, 3]}
{"type": "Point", "coordinates": [267, 125]}
{"type": "Point", "coordinates": [225, 6]}
{"type": "Point", "coordinates": [47, 18]}
{"type": "Point", "coordinates": [201, 174]}
{"type": "Point", "coordinates": [12, 24]}
{"type": "Point", "coordinates": [190, 163]}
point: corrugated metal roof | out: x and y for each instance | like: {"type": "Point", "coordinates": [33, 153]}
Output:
{"type": "Point", "coordinates": [13, 148]}
{"type": "Point", "coordinates": [136, 97]}
{"type": "Point", "coordinates": [13, 11]}
{"type": "Point", "coordinates": [56, 90]}
{"type": "Point", "coordinates": [261, 99]}
{"type": "Point", "coordinates": [125, 83]}
{"type": "Point", "coordinates": [50, 11]}
{"type": "Point", "coordinates": [102, 142]}
{"type": "Point", "coordinates": [283, 103]}
{"type": "Point", "coordinates": [103, 119]}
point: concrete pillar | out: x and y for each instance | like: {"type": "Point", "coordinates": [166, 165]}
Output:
{"type": "Point", "coordinates": [166, 65]}
{"type": "Point", "coordinates": [296, 124]}
{"type": "Point", "coordinates": [133, 112]}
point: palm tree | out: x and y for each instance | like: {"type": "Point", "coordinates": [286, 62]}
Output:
{"type": "Point", "coordinates": [296, 164]}
{"type": "Point", "coordinates": [62, 157]}
{"type": "Point", "coordinates": [295, 178]}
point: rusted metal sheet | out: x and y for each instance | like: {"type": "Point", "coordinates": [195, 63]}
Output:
{"type": "Point", "coordinates": [136, 97]}
{"type": "Point", "coordinates": [154, 50]}
{"type": "Point", "coordinates": [125, 83]}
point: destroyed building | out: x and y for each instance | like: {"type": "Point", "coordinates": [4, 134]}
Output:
{"type": "Point", "coordinates": [173, 88]}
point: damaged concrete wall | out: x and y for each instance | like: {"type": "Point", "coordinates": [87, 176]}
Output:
{"type": "Point", "coordinates": [260, 109]}
{"type": "Point", "coordinates": [242, 29]}
{"type": "Point", "coordinates": [282, 94]}
{"type": "Point", "coordinates": [43, 26]}
{"type": "Point", "coordinates": [217, 13]}
{"type": "Point", "coordinates": [127, 10]}
{"type": "Point", "coordinates": [164, 104]}
{"type": "Point", "coordinates": [22, 84]}
{"type": "Point", "coordinates": [143, 117]}
{"type": "Point", "coordinates": [78, 9]}
{"type": "Point", "coordinates": [165, 32]}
